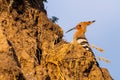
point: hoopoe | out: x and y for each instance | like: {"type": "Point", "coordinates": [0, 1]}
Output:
{"type": "Point", "coordinates": [79, 36]}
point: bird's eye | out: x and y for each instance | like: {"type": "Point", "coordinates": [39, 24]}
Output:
{"type": "Point", "coordinates": [79, 25]}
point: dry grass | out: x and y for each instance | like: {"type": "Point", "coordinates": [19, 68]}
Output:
{"type": "Point", "coordinates": [103, 59]}
{"type": "Point", "coordinates": [57, 58]}
{"type": "Point", "coordinates": [98, 48]}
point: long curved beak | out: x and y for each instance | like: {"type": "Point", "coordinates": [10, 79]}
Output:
{"type": "Point", "coordinates": [70, 30]}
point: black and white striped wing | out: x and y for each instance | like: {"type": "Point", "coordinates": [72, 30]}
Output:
{"type": "Point", "coordinates": [84, 43]}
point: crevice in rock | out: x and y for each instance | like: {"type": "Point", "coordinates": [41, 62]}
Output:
{"type": "Point", "coordinates": [14, 53]}
{"type": "Point", "coordinates": [38, 55]}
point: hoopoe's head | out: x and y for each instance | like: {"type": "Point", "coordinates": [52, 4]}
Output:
{"type": "Point", "coordinates": [82, 26]}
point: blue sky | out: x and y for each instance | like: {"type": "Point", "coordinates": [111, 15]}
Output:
{"type": "Point", "coordinates": [105, 32]}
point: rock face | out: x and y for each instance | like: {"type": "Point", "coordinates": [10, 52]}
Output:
{"type": "Point", "coordinates": [32, 48]}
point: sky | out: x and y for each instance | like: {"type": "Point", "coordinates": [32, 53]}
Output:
{"type": "Point", "coordinates": [104, 33]}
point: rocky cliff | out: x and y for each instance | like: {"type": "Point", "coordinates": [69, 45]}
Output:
{"type": "Point", "coordinates": [32, 48]}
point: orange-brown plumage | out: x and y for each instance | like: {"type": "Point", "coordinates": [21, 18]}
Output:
{"type": "Point", "coordinates": [81, 29]}
{"type": "Point", "coordinates": [79, 36]}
